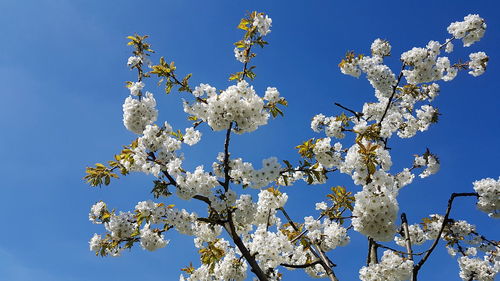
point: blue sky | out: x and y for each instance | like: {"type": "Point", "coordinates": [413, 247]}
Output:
{"type": "Point", "coordinates": [63, 67]}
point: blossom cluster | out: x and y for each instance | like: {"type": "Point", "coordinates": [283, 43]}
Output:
{"type": "Point", "coordinates": [401, 110]}
{"type": "Point", "coordinates": [127, 226]}
{"type": "Point", "coordinates": [391, 268]}
{"type": "Point", "coordinates": [375, 215]}
{"type": "Point", "coordinates": [328, 235]}
{"type": "Point", "coordinates": [470, 30]}
{"type": "Point", "coordinates": [245, 174]}
{"type": "Point", "coordinates": [489, 196]}
{"type": "Point", "coordinates": [238, 103]}
{"type": "Point", "coordinates": [199, 182]}
{"type": "Point", "coordinates": [138, 113]}
{"type": "Point", "coordinates": [477, 269]}
{"type": "Point", "coordinates": [263, 24]}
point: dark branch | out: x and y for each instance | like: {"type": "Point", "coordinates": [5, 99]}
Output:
{"type": "Point", "coordinates": [404, 222]}
{"type": "Point", "coordinates": [301, 265]}
{"type": "Point", "coordinates": [394, 88]}
{"type": "Point", "coordinates": [397, 251]}
{"type": "Point", "coordinates": [325, 262]}
{"type": "Point", "coordinates": [417, 267]}
{"type": "Point", "coordinates": [227, 178]}
{"type": "Point", "coordinates": [243, 249]}
{"type": "Point", "coordinates": [372, 256]}
{"type": "Point", "coordinates": [357, 114]}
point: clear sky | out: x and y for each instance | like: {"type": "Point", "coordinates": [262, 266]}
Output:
{"type": "Point", "coordinates": [63, 67]}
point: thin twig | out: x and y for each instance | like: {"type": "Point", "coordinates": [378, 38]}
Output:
{"type": "Point", "coordinates": [246, 63]}
{"type": "Point", "coordinates": [301, 265]}
{"type": "Point", "coordinates": [394, 88]}
{"type": "Point", "coordinates": [325, 262]}
{"type": "Point", "coordinates": [397, 251]}
{"type": "Point", "coordinates": [357, 114]}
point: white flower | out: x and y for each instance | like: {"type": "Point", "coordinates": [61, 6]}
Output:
{"type": "Point", "coordinates": [135, 88]}
{"type": "Point", "coordinates": [139, 113]}
{"type": "Point", "coordinates": [95, 242]}
{"type": "Point", "coordinates": [238, 103]}
{"type": "Point", "coordinates": [204, 89]}
{"type": "Point", "coordinates": [375, 215]}
{"type": "Point", "coordinates": [476, 269]}
{"type": "Point", "coordinates": [240, 55]}
{"type": "Point", "coordinates": [391, 268]}
{"type": "Point", "coordinates": [478, 63]}
{"type": "Point", "coordinates": [417, 236]}
{"type": "Point", "coordinates": [133, 61]}
{"type": "Point", "coordinates": [272, 95]}
{"type": "Point", "coordinates": [489, 196]}
{"type": "Point", "coordinates": [449, 47]}
{"type": "Point", "coordinates": [321, 206]}
{"type": "Point", "coordinates": [192, 136]}
{"type": "Point", "coordinates": [96, 212]}
{"type": "Point", "coordinates": [470, 30]}
{"type": "Point", "coordinates": [152, 240]}
{"type": "Point", "coordinates": [381, 48]}
{"type": "Point", "coordinates": [263, 24]}
{"type": "Point", "coordinates": [121, 226]}
{"type": "Point", "coordinates": [199, 182]}
{"type": "Point", "coordinates": [317, 123]}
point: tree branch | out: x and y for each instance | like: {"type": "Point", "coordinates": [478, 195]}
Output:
{"type": "Point", "coordinates": [301, 265]}
{"type": "Point", "coordinates": [417, 267]}
{"type": "Point", "coordinates": [397, 251]}
{"type": "Point", "coordinates": [357, 114]}
{"type": "Point", "coordinates": [227, 178]}
{"type": "Point", "coordinates": [323, 259]}
{"type": "Point", "coordinates": [372, 256]}
{"type": "Point", "coordinates": [246, 63]}
{"type": "Point", "coordinates": [229, 226]}
{"type": "Point", "coordinates": [394, 88]}
{"type": "Point", "coordinates": [404, 222]}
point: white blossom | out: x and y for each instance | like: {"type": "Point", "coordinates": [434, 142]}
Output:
{"type": "Point", "coordinates": [470, 30]}
{"type": "Point", "coordinates": [238, 103]}
{"type": "Point", "coordinates": [478, 63]}
{"type": "Point", "coordinates": [96, 212]}
{"type": "Point", "coordinates": [133, 61]}
{"type": "Point", "coordinates": [476, 269]}
{"type": "Point", "coordinates": [139, 113]}
{"type": "Point", "coordinates": [381, 48]}
{"type": "Point", "coordinates": [489, 196]}
{"type": "Point", "coordinates": [272, 95]}
{"type": "Point", "coordinates": [263, 24]}
{"type": "Point", "coordinates": [152, 240]}
{"type": "Point", "coordinates": [135, 88]}
{"type": "Point", "coordinates": [391, 268]}
{"type": "Point", "coordinates": [375, 215]}
{"type": "Point", "coordinates": [192, 136]}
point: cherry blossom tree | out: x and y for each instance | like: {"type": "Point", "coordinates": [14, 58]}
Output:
{"type": "Point", "coordinates": [238, 232]}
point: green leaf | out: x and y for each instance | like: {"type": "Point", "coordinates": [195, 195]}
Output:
{"type": "Point", "coordinates": [235, 76]}
{"type": "Point", "coordinates": [243, 24]}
